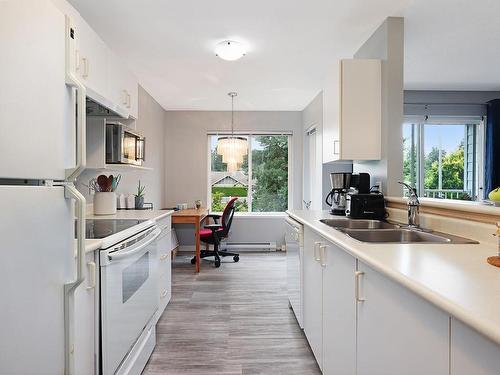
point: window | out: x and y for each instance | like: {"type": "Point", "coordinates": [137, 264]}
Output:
{"type": "Point", "coordinates": [262, 181]}
{"type": "Point", "coordinates": [442, 156]}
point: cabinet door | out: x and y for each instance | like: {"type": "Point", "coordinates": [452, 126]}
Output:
{"type": "Point", "coordinates": [85, 313]}
{"type": "Point", "coordinates": [360, 110]}
{"type": "Point", "coordinates": [339, 311]}
{"type": "Point", "coordinates": [472, 353]}
{"type": "Point", "coordinates": [397, 331]}
{"type": "Point", "coordinates": [122, 85]}
{"type": "Point", "coordinates": [164, 271]}
{"type": "Point", "coordinates": [92, 66]}
{"type": "Point", "coordinates": [313, 290]}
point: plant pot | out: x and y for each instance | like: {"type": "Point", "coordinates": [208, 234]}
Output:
{"type": "Point", "coordinates": [104, 203]}
{"type": "Point", "coordinates": [139, 203]}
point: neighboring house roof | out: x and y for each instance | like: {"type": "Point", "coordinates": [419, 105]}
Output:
{"type": "Point", "coordinates": [238, 177]}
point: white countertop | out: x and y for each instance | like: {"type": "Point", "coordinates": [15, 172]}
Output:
{"type": "Point", "coordinates": [454, 277]}
{"type": "Point", "coordinates": [94, 244]}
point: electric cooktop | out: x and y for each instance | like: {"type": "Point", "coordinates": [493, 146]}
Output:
{"type": "Point", "coordinates": [102, 228]}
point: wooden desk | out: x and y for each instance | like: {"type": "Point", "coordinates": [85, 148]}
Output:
{"type": "Point", "coordinates": [192, 216]}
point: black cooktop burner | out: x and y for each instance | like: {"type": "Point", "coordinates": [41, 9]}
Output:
{"type": "Point", "coordinates": [101, 228]}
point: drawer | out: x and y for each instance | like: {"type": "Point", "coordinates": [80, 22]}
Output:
{"type": "Point", "coordinates": [164, 293]}
{"type": "Point", "coordinates": [165, 222]}
{"type": "Point", "coordinates": [164, 263]}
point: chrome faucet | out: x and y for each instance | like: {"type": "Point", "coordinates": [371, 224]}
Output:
{"type": "Point", "coordinates": [413, 206]}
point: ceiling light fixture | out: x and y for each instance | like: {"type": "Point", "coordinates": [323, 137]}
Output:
{"type": "Point", "coordinates": [230, 50]}
{"type": "Point", "coordinates": [231, 148]}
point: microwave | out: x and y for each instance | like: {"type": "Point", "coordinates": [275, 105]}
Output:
{"type": "Point", "coordinates": [124, 145]}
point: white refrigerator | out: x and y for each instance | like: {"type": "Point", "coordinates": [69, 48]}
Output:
{"type": "Point", "coordinates": [42, 142]}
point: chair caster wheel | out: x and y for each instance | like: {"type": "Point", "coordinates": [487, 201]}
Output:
{"type": "Point", "coordinates": [193, 260]}
{"type": "Point", "coordinates": [217, 263]}
{"type": "Point", "coordinates": [236, 258]}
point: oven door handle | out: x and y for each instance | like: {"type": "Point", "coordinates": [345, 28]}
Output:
{"type": "Point", "coordinates": [137, 248]}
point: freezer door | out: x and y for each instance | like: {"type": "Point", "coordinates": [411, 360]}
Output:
{"type": "Point", "coordinates": [37, 259]}
{"type": "Point", "coordinates": [37, 111]}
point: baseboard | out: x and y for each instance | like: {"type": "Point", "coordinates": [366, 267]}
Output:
{"type": "Point", "coordinates": [239, 246]}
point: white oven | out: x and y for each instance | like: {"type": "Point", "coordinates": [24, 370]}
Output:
{"type": "Point", "coordinates": [129, 300]}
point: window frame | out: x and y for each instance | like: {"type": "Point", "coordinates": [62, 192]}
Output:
{"type": "Point", "coordinates": [250, 135]}
{"type": "Point", "coordinates": [421, 120]}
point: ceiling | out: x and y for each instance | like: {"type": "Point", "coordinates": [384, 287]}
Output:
{"type": "Point", "coordinates": [291, 46]}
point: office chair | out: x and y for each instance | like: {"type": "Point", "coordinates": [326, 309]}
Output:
{"type": "Point", "coordinates": [213, 233]}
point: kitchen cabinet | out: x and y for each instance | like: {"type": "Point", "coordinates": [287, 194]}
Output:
{"type": "Point", "coordinates": [339, 310]}
{"type": "Point", "coordinates": [356, 133]}
{"type": "Point", "coordinates": [91, 60]}
{"type": "Point", "coordinates": [122, 85]}
{"type": "Point", "coordinates": [85, 328]}
{"type": "Point", "coordinates": [472, 353]}
{"type": "Point", "coordinates": [164, 264]}
{"type": "Point", "coordinates": [313, 294]}
{"type": "Point", "coordinates": [397, 331]}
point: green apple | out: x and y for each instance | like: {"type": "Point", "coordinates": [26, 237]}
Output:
{"type": "Point", "coordinates": [494, 195]}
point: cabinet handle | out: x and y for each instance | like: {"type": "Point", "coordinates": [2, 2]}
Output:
{"type": "Point", "coordinates": [77, 60]}
{"type": "Point", "coordinates": [357, 276]}
{"type": "Point", "coordinates": [163, 257]}
{"type": "Point", "coordinates": [85, 62]}
{"type": "Point", "coordinates": [316, 251]}
{"type": "Point", "coordinates": [336, 150]}
{"type": "Point", "coordinates": [124, 97]}
{"type": "Point", "coordinates": [163, 294]}
{"type": "Point", "coordinates": [92, 276]}
{"type": "Point", "coordinates": [322, 255]}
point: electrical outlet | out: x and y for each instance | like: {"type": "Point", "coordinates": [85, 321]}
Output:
{"type": "Point", "coordinates": [379, 184]}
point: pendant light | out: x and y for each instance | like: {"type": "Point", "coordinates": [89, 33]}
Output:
{"type": "Point", "coordinates": [232, 149]}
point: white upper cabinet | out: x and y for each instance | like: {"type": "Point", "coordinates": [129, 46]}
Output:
{"type": "Point", "coordinates": [397, 331]}
{"type": "Point", "coordinates": [91, 61]}
{"type": "Point", "coordinates": [356, 134]}
{"type": "Point", "coordinates": [122, 85]}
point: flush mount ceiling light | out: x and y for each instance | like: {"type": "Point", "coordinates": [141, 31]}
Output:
{"type": "Point", "coordinates": [231, 148]}
{"type": "Point", "coordinates": [230, 50]}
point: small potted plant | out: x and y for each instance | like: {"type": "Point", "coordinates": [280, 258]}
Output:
{"type": "Point", "coordinates": [139, 197]}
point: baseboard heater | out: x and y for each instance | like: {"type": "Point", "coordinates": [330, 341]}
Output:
{"type": "Point", "coordinates": [250, 246]}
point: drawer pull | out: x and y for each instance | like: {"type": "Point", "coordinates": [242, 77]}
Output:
{"type": "Point", "coordinates": [92, 275]}
{"type": "Point", "coordinates": [316, 251]}
{"type": "Point", "coordinates": [358, 275]}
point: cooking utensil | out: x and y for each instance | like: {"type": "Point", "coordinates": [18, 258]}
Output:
{"type": "Point", "coordinates": [116, 181]}
{"type": "Point", "coordinates": [102, 181]}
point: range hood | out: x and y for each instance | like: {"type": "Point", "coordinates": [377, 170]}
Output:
{"type": "Point", "coordinates": [98, 105]}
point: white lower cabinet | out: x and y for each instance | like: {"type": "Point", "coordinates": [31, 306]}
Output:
{"type": "Point", "coordinates": [358, 321]}
{"type": "Point", "coordinates": [164, 270]}
{"type": "Point", "coordinates": [472, 353]}
{"type": "Point", "coordinates": [313, 294]}
{"type": "Point", "coordinates": [339, 310]}
{"type": "Point", "coordinates": [85, 325]}
{"type": "Point", "coordinates": [397, 331]}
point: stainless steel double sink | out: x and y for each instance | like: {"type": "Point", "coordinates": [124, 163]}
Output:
{"type": "Point", "coordinates": [377, 231]}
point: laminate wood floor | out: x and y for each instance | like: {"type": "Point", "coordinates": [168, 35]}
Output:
{"type": "Point", "coordinates": [232, 320]}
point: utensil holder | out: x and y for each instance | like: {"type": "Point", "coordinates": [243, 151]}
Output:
{"type": "Point", "coordinates": [104, 203]}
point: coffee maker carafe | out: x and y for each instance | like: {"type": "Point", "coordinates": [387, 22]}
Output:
{"type": "Point", "coordinates": [336, 199]}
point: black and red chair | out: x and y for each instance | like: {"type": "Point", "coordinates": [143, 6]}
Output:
{"type": "Point", "coordinates": [212, 234]}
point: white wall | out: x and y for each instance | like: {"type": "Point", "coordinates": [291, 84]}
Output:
{"type": "Point", "coordinates": [186, 163]}
{"type": "Point", "coordinates": [151, 124]}
{"type": "Point", "coordinates": [387, 44]}
{"type": "Point", "coordinates": [186, 148]}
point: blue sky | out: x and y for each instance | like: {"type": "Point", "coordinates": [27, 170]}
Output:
{"type": "Point", "coordinates": [449, 136]}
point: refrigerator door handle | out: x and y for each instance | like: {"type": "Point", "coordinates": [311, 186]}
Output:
{"type": "Point", "coordinates": [71, 192]}
{"type": "Point", "coordinates": [81, 102]}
